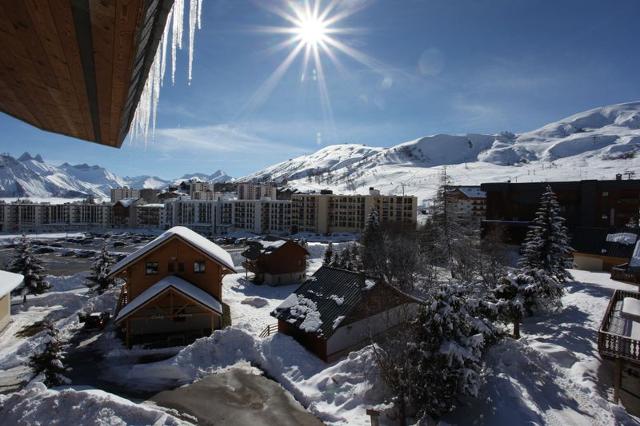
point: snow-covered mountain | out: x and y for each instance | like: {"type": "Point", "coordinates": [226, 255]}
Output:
{"type": "Point", "coordinates": [216, 177]}
{"type": "Point", "coordinates": [31, 176]}
{"type": "Point", "coordinates": [582, 146]}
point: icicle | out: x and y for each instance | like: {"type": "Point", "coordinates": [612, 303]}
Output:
{"type": "Point", "coordinates": [145, 116]}
{"type": "Point", "coordinates": [176, 38]}
{"type": "Point", "coordinates": [194, 6]}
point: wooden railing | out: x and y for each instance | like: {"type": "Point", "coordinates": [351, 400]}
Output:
{"type": "Point", "coordinates": [123, 299]}
{"type": "Point", "coordinates": [269, 330]}
{"type": "Point", "coordinates": [614, 345]}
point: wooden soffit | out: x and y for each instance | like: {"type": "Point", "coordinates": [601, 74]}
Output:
{"type": "Point", "coordinates": [78, 67]}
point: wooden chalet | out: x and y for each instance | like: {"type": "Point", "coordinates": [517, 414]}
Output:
{"type": "Point", "coordinates": [78, 67]}
{"type": "Point", "coordinates": [276, 262]}
{"type": "Point", "coordinates": [619, 341]}
{"type": "Point", "coordinates": [172, 293]}
{"type": "Point", "coordinates": [336, 311]}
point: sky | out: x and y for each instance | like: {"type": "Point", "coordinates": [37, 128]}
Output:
{"type": "Point", "coordinates": [423, 67]}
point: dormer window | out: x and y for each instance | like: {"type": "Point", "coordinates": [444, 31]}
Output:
{"type": "Point", "coordinates": [151, 268]}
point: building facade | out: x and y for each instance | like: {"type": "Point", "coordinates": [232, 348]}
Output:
{"type": "Point", "coordinates": [467, 204]}
{"type": "Point", "coordinates": [325, 212]}
{"type": "Point", "coordinates": [118, 194]}
{"type": "Point", "coordinates": [257, 191]}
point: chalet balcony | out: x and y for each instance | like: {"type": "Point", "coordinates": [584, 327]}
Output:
{"type": "Point", "coordinates": [619, 334]}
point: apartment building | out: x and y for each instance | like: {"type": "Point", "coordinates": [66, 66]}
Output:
{"type": "Point", "coordinates": [150, 215]}
{"type": "Point", "coordinates": [326, 212]}
{"type": "Point", "coordinates": [468, 204]}
{"type": "Point", "coordinates": [27, 216]}
{"type": "Point", "coordinates": [257, 191]}
{"type": "Point", "coordinates": [223, 216]}
{"type": "Point", "coordinates": [125, 192]}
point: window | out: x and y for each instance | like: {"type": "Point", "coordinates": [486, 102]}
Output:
{"type": "Point", "coordinates": [151, 268]}
{"type": "Point", "coordinates": [180, 267]}
{"type": "Point", "coordinates": [198, 267]}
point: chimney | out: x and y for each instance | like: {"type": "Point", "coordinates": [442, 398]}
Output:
{"type": "Point", "coordinates": [618, 176]}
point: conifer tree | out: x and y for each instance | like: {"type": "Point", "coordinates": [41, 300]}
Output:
{"type": "Point", "coordinates": [99, 278]}
{"type": "Point", "coordinates": [546, 246]}
{"type": "Point", "coordinates": [328, 255]}
{"type": "Point", "coordinates": [373, 246]}
{"type": "Point", "coordinates": [26, 263]}
{"type": "Point", "coordinates": [511, 294]}
{"type": "Point", "coordinates": [49, 362]}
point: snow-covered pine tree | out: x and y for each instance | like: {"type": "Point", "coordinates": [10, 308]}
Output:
{"type": "Point", "coordinates": [511, 294]}
{"type": "Point", "coordinates": [354, 253]}
{"type": "Point", "coordinates": [49, 362]}
{"type": "Point", "coordinates": [373, 246]}
{"type": "Point", "coordinates": [328, 255]}
{"type": "Point", "coordinates": [448, 343]}
{"type": "Point", "coordinates": [25, 262]}
{"type": "Point", "coordinates": [99, 278]}
{"type": "Point", "coordinates": [546, 246]}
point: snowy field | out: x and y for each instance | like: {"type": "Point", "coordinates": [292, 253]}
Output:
{"type": "Point", "coordinates": [553, 375]}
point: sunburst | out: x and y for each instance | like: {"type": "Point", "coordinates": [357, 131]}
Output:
{"type": "Point", "coordinates": [312, 30]}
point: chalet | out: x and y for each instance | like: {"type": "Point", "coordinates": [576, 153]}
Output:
{"type": "Point", "coordinates": [8, 282]}
{"type": "Point", "coordinates": [124, 211]}
{"type": "Point", "coordinates": [173, 289]}
{"type": "Point", "coordinates": [276, 262]}
{"type": "Point", "coordinates": [336, 311]}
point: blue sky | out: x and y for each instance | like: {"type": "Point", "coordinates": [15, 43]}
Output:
{"type": "Point", "coordinates": [441, 66]}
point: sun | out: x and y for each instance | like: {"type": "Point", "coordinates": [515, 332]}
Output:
{"type": "Point", "coordinates": [312, 31]}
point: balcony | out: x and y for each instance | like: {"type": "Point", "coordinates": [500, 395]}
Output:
{"type": "Point", "coordinates": [619, 335]}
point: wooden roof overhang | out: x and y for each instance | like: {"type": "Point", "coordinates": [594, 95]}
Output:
{"type": "Point", "coordinates": [78, 67]}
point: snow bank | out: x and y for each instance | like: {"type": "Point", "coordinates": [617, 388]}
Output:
{"type": "Point", "coordinates": [626, 238]}
{"type": "Point", "coordinates": [337, 394]}
{"type": "Point", "coordinates": [37, 405]}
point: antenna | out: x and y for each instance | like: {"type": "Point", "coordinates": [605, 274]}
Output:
{"type": "Point", "coordinates": [629, 174]}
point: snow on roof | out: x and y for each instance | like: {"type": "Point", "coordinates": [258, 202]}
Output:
{"type": "Point", "coordinates": [9, 281]}
{"type": "Point", "coordinates": [626, 238]}
{"type": "Point", "coordinates": [177, 283]}
{"type": "Point", "coordinates": [152, 205]}
{"type": "Point", "coordinates": [472, 191]}
{"type": "Point", "coordinates": [126, 202]}
{"type": "Point", "coordinates": [201, 243]}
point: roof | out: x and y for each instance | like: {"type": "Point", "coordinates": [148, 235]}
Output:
{"type": "Point", "coordinates": [170, 282]}
{"type": "Point", "coordinates": [127, 202]}
{"type": "Point", "coordinates": [77, 70]}
{"type": "Point", "coordinates": [322, 302]}
{"type": "Point", "coordinates": [209, 248]}
{"type": "Point", "coordinates": [326, 296]}
{"type": "Point", "coordinates": [153, 205]}
{"type": "Point", "coordinates": [260, 248]}
{"type": "Point", "coordinates": [470, 191]}
{"type": "Point", "coordinates": [9, 281]}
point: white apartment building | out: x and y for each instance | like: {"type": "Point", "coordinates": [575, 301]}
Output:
{"type": "Point", "coordinates": [26, 216]}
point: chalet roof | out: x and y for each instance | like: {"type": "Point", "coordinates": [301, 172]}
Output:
{"type": "Point", "coordinates": [9, 281]}
{"type": "Point", "coordinates": [209, 248]}
{"type": "Point", "coordinates": [170, 282]}
{"type": "Point", "coordinates": [320, 303]}
{"type": "Point", "coordinates": [127, 202]}
{"type": "Point", "coordinates": [260, 248]}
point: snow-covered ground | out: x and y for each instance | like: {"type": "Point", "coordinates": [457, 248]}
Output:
{"type": "Point", "coordinates": [553, 375]}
